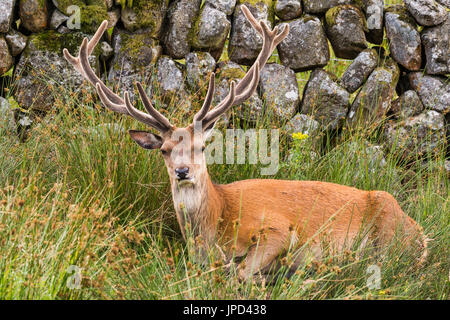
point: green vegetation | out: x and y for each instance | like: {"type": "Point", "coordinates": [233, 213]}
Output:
{"type": "Point", "coordinates": [78, 192]}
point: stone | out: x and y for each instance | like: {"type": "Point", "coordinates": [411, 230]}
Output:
{"type": "Point", "coordinates": [57, 19]}
{"type": "Point", "coordinates": [426, 12]}
{"type": "Point", "coordinates": [63, 5]}
{"type": "Point", "coordinates": [7, 122]}
{"type": "Point", "coordinates": [436, 41]}
{"type": "Point", "coordinates": [33, 14]}
{"type": "Point", "coordinates": [302, 123]}
{"type": "Point", "coordinates": [322, 6]}
{"type": "Point", "coordinates": [374, 11]}
{"type": "Point", "coordinates": [245, 42]}
{"type": "Point", "coordinates": [145, 16]}
{"type": "Point", "coordinates": [63, 29]}
{"type": "Point", "coordinates": [211, 30]}
{"type": "Point", "coordinates": [134, 59]}
{"type": "Point", "coordinates": [109, 4]}
{"type": "Point", "coordinates": [279, 89]}
{"type": "Point", "coordinates": [91, 18]}
{"type": "Point", "coordinates": [359, 70]}
{"type": "Point", "coordinates": [365, 155]}
{"type": "Point", "coordinates": [374, 99]}
{"type": "Point", "coordinates": [325, 100]}
{"type": "Point", "coordinates": [107, 50]}
{"type": "Point", "coordinates": [180, 17]}
{"type": "Point", "coordinates": [6, 60]}
{"type": "Point", "coordinates": [24, 121]}
{"type": "Point", "coordinates": [407, 105]}
{"type": "Point", "coordinates": [113, 17]}
{"type": "Point", "coordinates": [16, 41]}
{"type": "Point", "coordinates": [249, 111]}
{"type": "Point", "coordinates": [345, 26]}
{"type": "Point", "coordinates": [417, 135]}
{"type": "Point", "coordinates": [226, 6]}
{"type": "Point", "coordinates": [6, 14]}
{"type": "Point", "coordinates": [444, 3]}
{"type": "Point", "coordinates": [199, 65]}
{"type": "Point", "coordinates": [44, 71]}
{"type": "Point", "coordinates": [404, 39]}
{"type": "Point", "coordinates": [170, 80]}
{"type": "Point", "coordinates": [288, 9]}
{"type": "Point", "coordinates": [434, 91]}
{"type": "Point", "coordinates": [306, 46]}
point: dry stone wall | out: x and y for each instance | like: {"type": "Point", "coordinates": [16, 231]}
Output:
{"type": "Point", "coordinates": [409, 81]}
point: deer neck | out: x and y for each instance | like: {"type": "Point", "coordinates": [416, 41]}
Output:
{"type": "Point", "coordinates": [200, 205]}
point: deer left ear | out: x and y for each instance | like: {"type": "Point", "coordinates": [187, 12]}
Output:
{"type": "Point", "coordinates": [146, 140]}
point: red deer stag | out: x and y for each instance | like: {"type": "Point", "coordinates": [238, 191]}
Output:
{"type": "Point", "coordinates": [256, 220]}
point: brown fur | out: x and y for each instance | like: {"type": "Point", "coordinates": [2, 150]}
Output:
{"type": "Point", "coordinates": [277, 214]}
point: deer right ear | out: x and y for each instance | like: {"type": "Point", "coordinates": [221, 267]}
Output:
{"type": "Point", "coordinates": [146, 140]}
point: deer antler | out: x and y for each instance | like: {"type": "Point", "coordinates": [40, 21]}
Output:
{"type": "Point", "coordinates": [238, 93]}
{"type": "Point", "coordinates": [247, 86]}
{"type": "Point", "coordinates": [111, 100]}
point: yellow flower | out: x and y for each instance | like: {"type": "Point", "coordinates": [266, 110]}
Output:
{"type": "Point", "coordinates": [382, 292]}
{"type": "Point", "coordinates": [299, 136]}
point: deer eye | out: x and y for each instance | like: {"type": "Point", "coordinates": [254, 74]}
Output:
{"type": "Point", "coordinates": [164, 152]}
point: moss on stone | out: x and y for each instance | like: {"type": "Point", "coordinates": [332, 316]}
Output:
{"type": "Point", "coordinates": [92, 17]}
{"type": "Point", "coordinates": [132, 46]}
{"type": "Point", "coordinates": [392, 66]}
{"type": "Point", "coordinates": [100, 3]}
{"type": "Point", "coordinates": [331, 14]}
{"type": "Point", "coordinates": [195, 31]}
{"type": "Point", "coordinates": [268, 3]}
{"type": "Point", "coordinates": [192, 36]}
{"type": "Point", "coordinates": [53, 41]}
{"type": "Point", "coordinates": [64, 4]}
{"type": "Point", "coordinates": [231, 73]}
{"type": "Point", "coordinates": [306, 18]}
{"type": "Point", "coordinates": [402, 12]}
{"type": "Point", "coordinates": [150, 14]}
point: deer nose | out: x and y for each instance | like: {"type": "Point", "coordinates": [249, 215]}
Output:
{"type": "Point", "coordinates": [182, 172]}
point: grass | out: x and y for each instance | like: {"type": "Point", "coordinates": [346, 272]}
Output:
{"type": "Point", "coordinates": [79, 192]}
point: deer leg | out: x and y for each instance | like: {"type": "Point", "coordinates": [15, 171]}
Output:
{"type": "Point", "coordinates": [260, 256]}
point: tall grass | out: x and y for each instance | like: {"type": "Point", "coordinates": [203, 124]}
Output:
{"type": "Point", "coordinates": [79, 192]}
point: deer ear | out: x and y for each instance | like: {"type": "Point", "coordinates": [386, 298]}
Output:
{"type": "Point", "coordinates": [146, 140]}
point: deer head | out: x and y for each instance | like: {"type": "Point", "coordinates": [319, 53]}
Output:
{"type": "Point", "coordinates": [182, 148]}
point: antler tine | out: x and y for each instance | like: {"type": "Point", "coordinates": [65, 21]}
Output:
{"type": "Point", "coordinates": [110, 99]}
{"type": "Point", "coordinates": [75, 61]}
{"type": "Point", "coordinates": [115, 107]}
{"type": "Point", "coordinates": [221, 108]}
{"type": "Point", "coordinates": [92, 77]}
{"type": "Point", "coordinates": [143, 117]}
{"type": "Point", "coordinates": [150, 109]}
{"type": "Point", "coordinates": [238, 99]}
{"type": "Point", "coordinates": [208, 100]}
{"type": "Point", "coordinates": [248, 84]}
